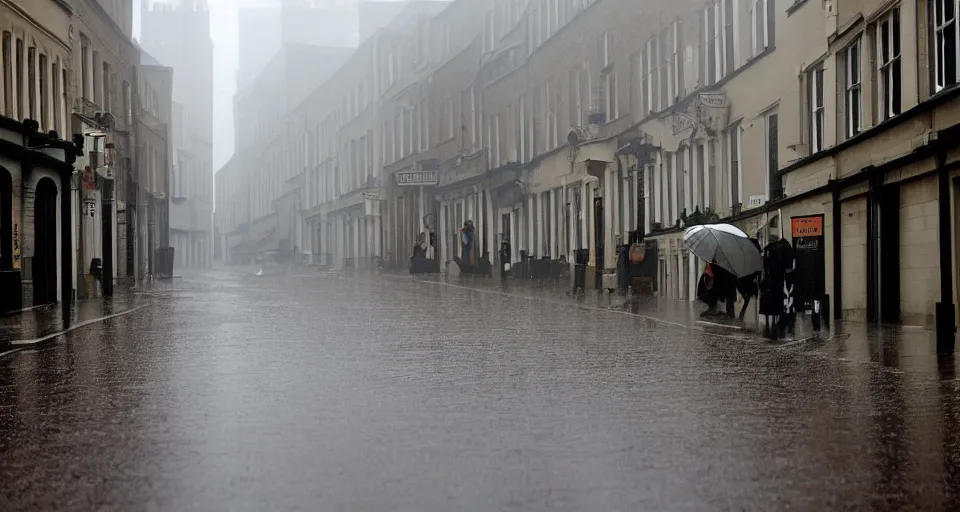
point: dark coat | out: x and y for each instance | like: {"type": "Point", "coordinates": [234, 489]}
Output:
{"type": "Point", "coordinates": [776, 285]}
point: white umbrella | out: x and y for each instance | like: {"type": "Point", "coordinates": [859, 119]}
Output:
{"type": "Point", "coordinates": [727, 245]}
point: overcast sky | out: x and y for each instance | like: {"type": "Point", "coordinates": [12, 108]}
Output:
{"type": "Point", "coordinates": [223, 28]}
{"type": "Point", "coordinates": [223, 21]}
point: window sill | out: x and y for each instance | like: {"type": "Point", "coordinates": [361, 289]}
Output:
{"type": "Point", "coordinates": [797, 4]}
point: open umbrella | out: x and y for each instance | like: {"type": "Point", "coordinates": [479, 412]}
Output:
{"type": "Point", "coordinates": [726, 245]}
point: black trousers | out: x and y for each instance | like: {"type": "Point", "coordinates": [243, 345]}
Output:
{"type": "Point", "coordinates": [728, 297]}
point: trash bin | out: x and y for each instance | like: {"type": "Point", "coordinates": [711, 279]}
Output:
{"type": "Point", "coordinates": [581, 257]}
{"type": "Point", "coordinates": [505, 256]}
{"type": "Point", "coordinates": [165, 262]}
{"type": "Point", "coordinates": [623, 269]}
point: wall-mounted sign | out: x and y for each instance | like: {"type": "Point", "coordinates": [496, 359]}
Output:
{"type": "Point", "coordinates": [16, 245]}
{"type": "Point", "coordinates": [416, 178]}
{"type": "Point", "coordinates": [756, 201]}
{"type": "Point", "coordinates": [807, 226]}
{"type": "Point", "coordinates": [713, 99]}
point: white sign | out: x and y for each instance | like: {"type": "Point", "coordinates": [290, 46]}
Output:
{"type": "Point", "coordinates": [757, 201]}
{"type": "Point", "coordinates": [713, 99]}
{"type": "Point", "coordinates": [416, 178]}
{"type": "Point", "coordinates": [682, 122]}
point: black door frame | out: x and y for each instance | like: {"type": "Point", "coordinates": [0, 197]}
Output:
{"type": "Point", "coordinates": [44, 264]}
{"type": "Point", "coordinates": [883, 251]}
{"type": "Point", "coordinates": [598, 241]}
{"type": "Point", "coordinates": [106, 246]}
{"type": "Point", "coordinates": [6, 219]}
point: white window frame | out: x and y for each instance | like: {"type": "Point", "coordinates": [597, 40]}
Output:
{"type": "Point", "coordinates": [675, 58]}
{"type": "Point", "coordinates": [522, 151]}
{"type": "Point", "coordinates": [766, 147]}
{"type": "Point", "coordinates": [734, 142]}
{"type": "Point", "coordinates": [409, 127]}
{"type": "Point", "coordinates": [732, 42]}
{"type": "Point", "coordinates": [425, 127]}
{"type": "Point", "coordinates": [607, 60]}
{"type": "Point", "coordinates": [612, 106]}
{"type": "Point", "coordinates": [886, 81]}
{"type": "Point", "coordinates": [474, 132]}
{"type": "Point", "coordinates": [943, 29]}
{"type": "Point", "coordinates": [578, 97]}
{"type": "Point", "coordinates": [853, 87]}
{"type": "Point", "coordinates": [652, 103]}
{"type": "Point", "coordinates": [760, 29]}
{"type": "Point", "coordinates": [713, 34]}
{"type": "Point", "coordinates": [495, 141]}
{"type": "Point", "coordinates": [401, 129]}
{"type": "Point", "coordinates": [449, 120]}
{"type": "Point", "coordinates": [490, 33]}
{"type": "Point", "coordinates": [816, 109]}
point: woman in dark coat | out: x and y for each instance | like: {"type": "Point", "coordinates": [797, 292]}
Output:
{"type": "Point", "coordinates": [717, 284]}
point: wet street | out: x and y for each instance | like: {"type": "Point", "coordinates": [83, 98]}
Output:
{"type": "Point", "coordinates": [247, 393]}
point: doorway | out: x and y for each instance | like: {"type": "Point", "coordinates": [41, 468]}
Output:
{"type": "Point", "coordinates": [598, 241]}
{"type": "Point", "coordinates": [505, 233]}
{"type": "Point", "coordinates": [883, 252]}
{"type": "Point", "coordinates": [890, 254]}
{"type": "Point", "coordinates": [106, 247]}
{"type": "Point", "coordinates": [6, 220]}
{"type": "Point", "coordinates": [44, 264]}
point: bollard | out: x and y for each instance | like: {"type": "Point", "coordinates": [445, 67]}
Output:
{"type": "Point", "coordinates": [581, 259]}
{"type": "Point", "coordinates": [825, 310]}
{"type": "Point", "coordinates": [504, 259]}
{"type": "Point", "coordinates": [816, 316]}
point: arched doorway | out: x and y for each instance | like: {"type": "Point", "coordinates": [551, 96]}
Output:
{"type": "Point", "coordinates": [6, 220]}
{"type": "Point", "coordinates": [45, 242]}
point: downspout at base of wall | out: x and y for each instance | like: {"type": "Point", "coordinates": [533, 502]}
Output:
{"type": "Point", "coordinates": [946, 315]}
{"type": "Point", "coordinates": [837, 256]}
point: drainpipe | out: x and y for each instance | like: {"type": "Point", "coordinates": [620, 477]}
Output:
{"type": "Point", "coordinates": [68, 270]}
{"type": "Point", "coordinates": [837, 256]}
{"type": "Point", "coordinates": [945, 321]}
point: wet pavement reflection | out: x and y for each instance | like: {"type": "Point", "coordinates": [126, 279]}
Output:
{"type": "Point", "coordinates": [316, 392]}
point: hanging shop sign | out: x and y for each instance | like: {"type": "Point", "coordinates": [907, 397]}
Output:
{"type": "Point", "coordinates": [89, 181]}
{"type": "Point", "coordinates": [416, 178]}
{"type": "Point", "coordinates": [371, 203]}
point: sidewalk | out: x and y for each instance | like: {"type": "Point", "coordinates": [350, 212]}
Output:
{"type": "Point", "coordinates": [670, 311]}
{"type": "Point", "coordinates": [35, 325]}
{"type": "Point", "coordinates": [891, 346]}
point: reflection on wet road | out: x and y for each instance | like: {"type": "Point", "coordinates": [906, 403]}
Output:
{"type": "Point", "coordinates": [320, 393]}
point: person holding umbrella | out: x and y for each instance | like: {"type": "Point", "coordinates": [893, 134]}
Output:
{"type": "Point", "coordinates": [732, 255]}
{"type": "Point", "coordinates": [717, 284]}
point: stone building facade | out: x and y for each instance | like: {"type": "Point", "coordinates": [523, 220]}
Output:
{"type": "Point", "coordinates": [178, 36]}
{"type": "Point", "coordinates": [567, 127]}
{"type": "Point", "coordinates": [36, 165]}
{"type": "Point", "coordinates": [105, 61]}
{"type": "Point", "coordinates": [154, 155]}
{"type": "Point", "coordinates": [267, 155]}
